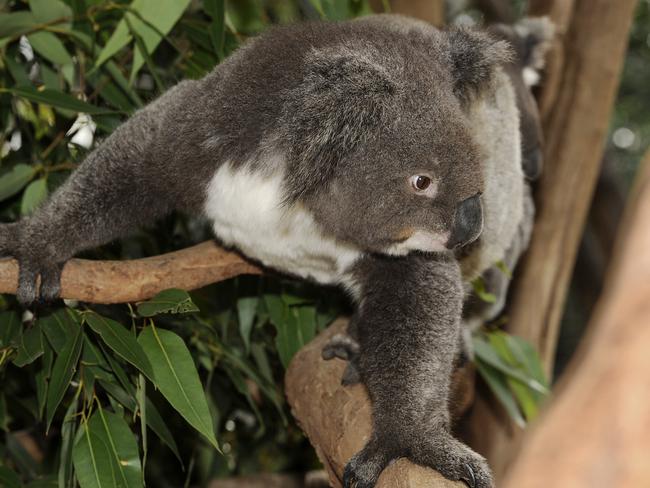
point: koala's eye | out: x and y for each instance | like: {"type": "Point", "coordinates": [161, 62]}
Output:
{"type": "Point", "coordinates": [420, 182]}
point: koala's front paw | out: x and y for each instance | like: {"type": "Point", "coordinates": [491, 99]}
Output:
{"type": "Point", "coordinates": [344, 347]}
{"type": "Point", "coordinates": [363, 470]}
{"type": "Point", "coordinates": [32, 265]}
{"type": "Point", "coordinates": [28, 293]}
{"type": "Point", "coordinates": [454, 460]}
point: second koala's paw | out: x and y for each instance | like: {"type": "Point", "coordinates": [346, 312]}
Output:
{"type": "Point", "coordinates": [454, 460]}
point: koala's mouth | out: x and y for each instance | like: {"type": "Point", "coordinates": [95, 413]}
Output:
{"type": "Point", "coordinates": [418, 240]}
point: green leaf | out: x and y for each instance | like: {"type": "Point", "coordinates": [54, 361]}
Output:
{"type": "Point", "coordinates": [154, 421]}
{"type": "Point", "coordinates": [59, 327]}
{"type": "Point", "coordinates": [121, 341]}
{"type": "Point", "coordinates": [50, 47]}
{"type": "Point", "coordinates": [487, 353]}
{"type": "Point", "coordinates": [161, 15]}
{"type": "Point", "coordinates": [16, 23]}
{"type": "Point", "coordinates": [31, 346]}
{"type": "Point", "coordinates": [68, 432]}
{"type": "Point", "coordinates": [295, 325]}
{"type": "Point", "coordinates": [34, 195]}
{"type": "Point", "coordinates": [167, 301]}
{"type": "Point", "coordinates": [216, 9]}
{"type": "Point", "coordinates": [10, 327]}
{"type": "Point", "coordinates": [503, 267]}
{"type": "Point", "coordinates": [480, 289]}
{"type": "Point", "coordinates": [49, 10]}
{"type": "Point", "coordinates": [177, 378]}
{"type": "Point", "coordinates": [15, 180]}
{"type": "Point", "coordinates": [64, 368]}
{"type": "Point", "coordinates": [106, 455]}
{"type": "Point", "coordinates": [246, 312]}
{"type": "Point", "coordinates": [499, 387]}
{"type": "Point", "coordinates": [142, 51]}
{"type": "Point", "coordinates": [55, 99]}
{"type": "Point", "coordinates": [9, 479]}
{"type": "Point", "coordinates": [43, 377]}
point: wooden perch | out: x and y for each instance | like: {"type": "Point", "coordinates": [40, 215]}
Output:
{"type": "Point", "coordinates": [597, 431]}
{"type": "Point", "coordinates": [139, 279]}
{"type": "Point", "coordinates": [337, 418]}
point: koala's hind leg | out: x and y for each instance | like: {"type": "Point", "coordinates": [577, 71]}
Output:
{"type": "Point", "coordinates": [408, 325]}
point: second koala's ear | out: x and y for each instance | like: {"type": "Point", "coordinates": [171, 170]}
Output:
{"type": "Point", "coordinates": [474, 56]}
{"type": "Point", "coordinates": [340, 102]}
{"type": "Point", "coordinates": [533, 40]}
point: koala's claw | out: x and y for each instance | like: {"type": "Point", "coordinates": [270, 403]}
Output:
{"type": "Point", "coordinates": [363, 470]}
{"type": "Point", "coordinates": [469, 478]}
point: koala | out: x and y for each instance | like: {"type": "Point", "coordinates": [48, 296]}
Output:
{"type": "Point", "coordinates": [359, 153]}
{"type": "Point", "coordinates": [530, 39]}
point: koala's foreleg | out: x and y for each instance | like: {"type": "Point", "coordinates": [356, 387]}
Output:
{"type": "Point", "coordinates": [117, 188]}
{"type": "Point", "coordinates": [407, 326]}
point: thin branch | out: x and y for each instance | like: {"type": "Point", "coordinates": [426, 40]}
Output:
{"type": "Point", "coordinates": [139, 279]}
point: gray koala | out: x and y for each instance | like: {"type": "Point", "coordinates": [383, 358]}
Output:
{"type": "Point", "coordinates": [530, 39]}
{"type": "Point", "coordinates": [356, 153]}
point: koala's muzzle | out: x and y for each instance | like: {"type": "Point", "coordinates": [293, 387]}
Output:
{"type": "Point", "coordinates": [468, 222]}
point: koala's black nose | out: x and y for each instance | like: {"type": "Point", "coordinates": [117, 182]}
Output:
{"type": "Point", "coordinates": [468, 222]}
{"type": "Point", "coordinates": [533, 159]}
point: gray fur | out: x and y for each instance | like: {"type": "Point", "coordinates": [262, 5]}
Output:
{"type": "Point", "coordinates": [345, 113]}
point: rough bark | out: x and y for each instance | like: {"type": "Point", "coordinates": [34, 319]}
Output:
{"type": "Point", "coordinates": [337, 418]}
{"type": "Point", "coordinates": [602, 400]}
{"type": "Point", "coordinates": [139, 279]}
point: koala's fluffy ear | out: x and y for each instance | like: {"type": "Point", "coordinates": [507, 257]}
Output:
{"type": "Point", "coordinates": [340, 102]}
{"type": "Point", "coordinates": [474, 57]}
{"type": "Point", "coordinates": [534, 37]}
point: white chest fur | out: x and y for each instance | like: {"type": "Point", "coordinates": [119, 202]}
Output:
{"type": "Point", "coordinates": [247, 213]}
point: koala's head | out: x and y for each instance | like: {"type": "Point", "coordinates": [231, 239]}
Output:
{"type": "Point", "coordinates": [379, 145]}
{"type": "Point", "coordinates": [530, 39]}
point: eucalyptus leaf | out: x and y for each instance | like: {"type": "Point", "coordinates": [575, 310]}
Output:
{"type": "Point", "coordinates": [167, 301]}
{"type": "Point", "coordinates": [31, 346]}
{"type": "Point", "coordinates": [246, 312]}
{"type": "Point", "coordinates": [55, 99]}
{"type": "Point", "coordinates": [499, 387]}
{"type": "Point", "coordinates": [33, 196]}
{"type": "Point", "coordinates": [50, 47]}
{"type": "Point", "coordinates": [106, 455]}
{"type": "Point", "coordinates": [177, 378]}
{"type": "Point", "coordinates": [120, 340]}
{"type": "Point", "coordinates": [63, 370]}
{"type": "Point", "coordinates": [15, 180]}
{"type": "Point", "coordinates": [10, 328]}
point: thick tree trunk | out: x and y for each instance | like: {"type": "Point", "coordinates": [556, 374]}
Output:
{"type": "Point", "coordinates": [433, 11]}
{"type": "Point", "coordinates": [597, 430]}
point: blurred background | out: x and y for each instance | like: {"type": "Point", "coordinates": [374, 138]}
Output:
{"type": "Point", "coordinates": [104, 60]}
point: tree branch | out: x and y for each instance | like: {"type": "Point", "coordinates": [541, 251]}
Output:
{"type": "Point", "coordinates": [139, 279]}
